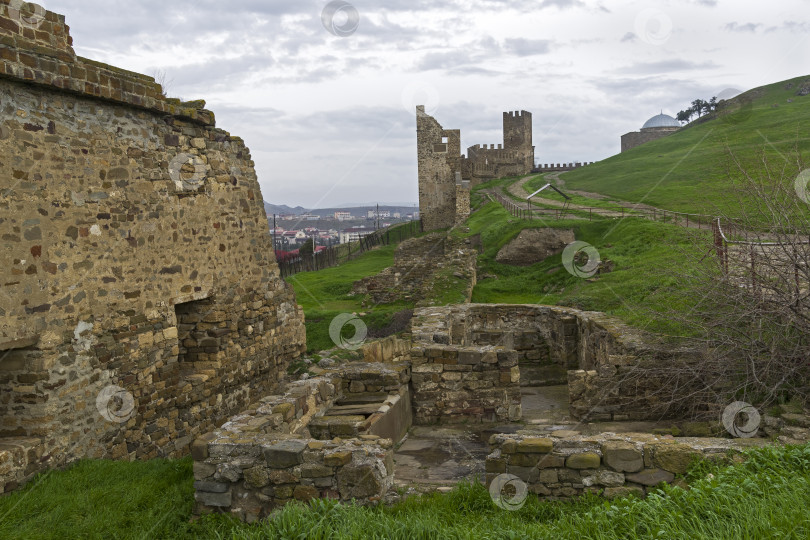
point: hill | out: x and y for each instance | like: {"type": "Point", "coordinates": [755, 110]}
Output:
{"type": "Point", "coordinates": [689, 170]}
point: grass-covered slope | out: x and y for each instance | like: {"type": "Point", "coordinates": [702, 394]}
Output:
{"type": "Point", "coordinates": [687, 171]}
{"type": "Point", "coordinates": [636, 290]}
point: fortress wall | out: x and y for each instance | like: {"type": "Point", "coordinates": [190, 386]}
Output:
{"type": "Point", "coordinates": [141, 304]}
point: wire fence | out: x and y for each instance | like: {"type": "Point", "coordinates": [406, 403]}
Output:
{"type": "Point", "coordinates": [332, 256]}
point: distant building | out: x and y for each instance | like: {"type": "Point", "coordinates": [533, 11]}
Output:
{"type": "Point", "coordinates": [655, 128]}
{"type": "Point", "coordinates": [383, 214]}
{"type": "Point", "coordinates": [288, 217]}
{"type": "Point", "coordinates": [343, 216]}
{"type": "Point", "coordinates": [353, 234]}
{"type": "Point", "coordinates": [397, 215]}
{"type": "Point", "coordinates": [309, 217]}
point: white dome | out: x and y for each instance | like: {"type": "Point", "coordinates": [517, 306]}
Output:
{"type": "Point", "coordinates": [661, 120]}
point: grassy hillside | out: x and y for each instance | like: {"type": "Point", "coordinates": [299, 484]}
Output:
{"type": "Point", "coordinates": [687, 171]}
{"type": "Point", "coordinates": [637, 289]}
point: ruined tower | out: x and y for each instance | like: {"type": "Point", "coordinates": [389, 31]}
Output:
{"type": "Point", "coordinates": [517, 137]}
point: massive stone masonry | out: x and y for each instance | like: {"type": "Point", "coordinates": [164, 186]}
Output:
{"type": "Point", "coordinates": [141, 304]}
{"type": "Point", "coordinates": [305, 444]}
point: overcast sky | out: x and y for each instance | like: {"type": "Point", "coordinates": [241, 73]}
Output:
{"type": "Point", "coordinates": [330, 118]}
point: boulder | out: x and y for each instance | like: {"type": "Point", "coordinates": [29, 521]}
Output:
{"type": "Point", "coordinates": [534, 245]}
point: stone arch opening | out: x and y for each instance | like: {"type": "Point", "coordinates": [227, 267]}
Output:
{"type": "Point", "coordinates": [200, 333]}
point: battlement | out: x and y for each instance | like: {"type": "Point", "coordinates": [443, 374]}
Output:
{"type": "Point", "coordinates": [517, 114]}
{"type": "Point", "coordinates": [560, 167]}
{"type": "Point", "coordinates": [36, 48]}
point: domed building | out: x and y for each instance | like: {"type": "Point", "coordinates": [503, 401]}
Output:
{"type": "Point", "coordinates": [656, 127]}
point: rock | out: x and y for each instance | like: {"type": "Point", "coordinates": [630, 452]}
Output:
{"type": "Point", "coordinates": [792, 419]}
{"type": "Point", "coordinates": [285, 454]}
{"type": "Point", "coordinates": [305, 493]}
{"type": "Point", "coordinates": [534, 245]}
{"type": "Point", "coordinates": [535, 445]}
{"type": "Point", "coordinates": [585, 460]}
{"type": "Point", "coordinates": [610, 478]}
{"type": "Point", "coordinates": [674, 458]}
{"type": "Point", "coordinates": [359, 481]}
{"type": "Point", "coordinates": [211, 487]}
{"type": "Point", "coordinates": [622, 456]}
{"type": "Point", "coordinates": [327, 363]}
{"type": "Point", "coordinates": [213, 499]}
{"type": "Point", "coordinates": [337, 459]}
{"type": "Point", "coordinates": [650, 477]}
{"type": "Point", "coordinates": [257, 477]}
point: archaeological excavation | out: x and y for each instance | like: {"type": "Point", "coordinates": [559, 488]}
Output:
{"type": "Point", "coordinates": [144, 317]}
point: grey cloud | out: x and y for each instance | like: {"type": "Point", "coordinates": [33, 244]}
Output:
{"type": "Point", "coordinates": [527, 47]}
{"type": "Point", "coordinates": [665, 66]}
{"type": "Point", "coordinates": [748, 27]}
{"type": "Point", "coordinates": [629, 36]}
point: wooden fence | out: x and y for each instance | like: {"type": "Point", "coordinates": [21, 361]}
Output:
{"type": "Point", "coordinates": [340, 254]}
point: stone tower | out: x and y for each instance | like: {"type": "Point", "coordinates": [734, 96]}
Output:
{"type": "Point", "coordinates": [517, 137]}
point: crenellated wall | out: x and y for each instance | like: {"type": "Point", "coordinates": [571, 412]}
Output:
{"type": "Point", "coordinates": [140, 301]}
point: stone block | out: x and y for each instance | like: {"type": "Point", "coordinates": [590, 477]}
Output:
{"type": "Point", "coordinates": [213, 499]}
{"type": "Point", "coordinates": [535, 445]}
{"type": "Point", "coordinates": [622, 456]}
{"type": "Point", "coordinates": [211, 487]}
{"type": "Point", "coordinates": [585, 460]}
{"type": "Point", "coordinates": [614, 492]}
{"type": "Point", "coordinates": [650, 477]}
{"type": "Point", "coordinates": [360, 481]}
{"type": "Point", "coordinates": [305, 493]}
{"type": "Point", "coordinates": [337, 459]}
{"type": "Point", "coordinates": [674, 458]}
{"type": "Point", "coordinates": [257, 477]}
{"type": "Point", "coordinates": [609, 478]}
{"type": "Point", "coordinates": [314, 470]}
{"type": "Point", "coordinates": [278, 476]}
{"type": "Point", "coordinates": [284, 454]}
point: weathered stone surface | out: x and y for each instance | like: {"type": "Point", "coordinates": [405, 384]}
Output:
{"type": "Point", "coordinates": [675, 458]}
{"type": "Point", "coordinates": [534, 245]}
{"type": "Point", "coordinates": [137, 250]}
{"type": "Point", "coordinates": [650, 477]}
{"type": "Point", "coordinates": [585, 460]}
{"type": "Point", "coordinates": [284, 454]}
{"type": "Point", "coordinates": [213, 499]}
{"type": "Point", "coordinates": [358, 481]}
{"type": "Point", "coordinates": [614, 492]}
{"type": "Point", "coordinates": [257, 477]}
{"type": "Point", "coordinates": [535, 445]}
{"type": "Point", "coordinates": [622, 456]}
{"type": "Point", "coordinates": [336, 459]}
{"type": "Point", "coordinates": [305, 493]}
{"type": "Point", "coordinates": [211, 487]}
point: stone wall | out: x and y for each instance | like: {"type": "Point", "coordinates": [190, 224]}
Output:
{"type": "Point", "coordinates": [461, 384]}
{"type": "Point", "coordinates": [295, 446]}
{"type": "Point", "coordinates": [637, 138]}
{"type": "Point", "coordinates": [419, 265]}
{"type": "Point", "coordinates": [615, 465]}
{"type": "Point", "coordinates": [141, 304]}
{"type": "Point", "coordinates": [612, 368]}
{"type": "Point", "coordinates": [438, 160]}
{"type": "Point", "coordinates": [514, 158]}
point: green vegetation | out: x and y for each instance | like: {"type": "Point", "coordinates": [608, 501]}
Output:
{"type": "Point", "coordinates": [326, 294]}
{"type": "Point", "coordinates": [766, 496]}
{"type": "Point", "coordinates": [688, 171]}
{"type": "Point", "coordinates": [636, 290]}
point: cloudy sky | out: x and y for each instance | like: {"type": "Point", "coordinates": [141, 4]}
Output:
{"type": "Point", "coordinates": [330, 117]}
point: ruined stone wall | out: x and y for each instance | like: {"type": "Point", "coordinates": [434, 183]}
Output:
{"type": "Point", "coordinates": [437, 163]}
{"type": "Point", "coordinates": [462, 384]}
{"type": "Point", "coordinates": [615, 465]}
{"type": "Point", "coordinates": [292, 447]}
{"type": "Point", "coordinates": [613, 369]}
{"type": "Point", "coordinates": [637, 138]}
{"type": "Point", "coordinates": [141, 304]}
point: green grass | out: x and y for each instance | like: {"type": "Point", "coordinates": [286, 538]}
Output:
{"type": "Point", "coordinates": [325, 294]}
{"type": "Point", "coordinates": [635, 291]}
{"type": "Point", "coordinates": [687, 171]}
{"type": "Point", "coordinates": [766, 496]}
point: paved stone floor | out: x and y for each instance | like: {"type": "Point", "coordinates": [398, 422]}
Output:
{"type": "Point", "coordinates": [433, 457]}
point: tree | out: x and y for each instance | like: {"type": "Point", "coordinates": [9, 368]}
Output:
{"type": "Point", "coordinates": [746, 295]}
{"type": "Point", "coordinates": [307, 248]}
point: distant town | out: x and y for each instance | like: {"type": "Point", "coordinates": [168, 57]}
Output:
{"type": "Point", "coordinates": [329, 227]}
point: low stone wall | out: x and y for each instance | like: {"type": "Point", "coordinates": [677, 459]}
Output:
{"type": "Point", "coordinates": [615, 465]}
{"type": "Point", "coordinates": [267, 456]}
{"type": "Point", "coordinates": [390, 349]}
{"type": "Point", "coordinates": [614, 370]}
{"type": "Point", "coordinates": [455, 384]}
